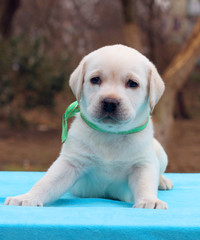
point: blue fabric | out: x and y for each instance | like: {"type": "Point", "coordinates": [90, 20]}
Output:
{"type": "Point", "coordinates": [74, 218]}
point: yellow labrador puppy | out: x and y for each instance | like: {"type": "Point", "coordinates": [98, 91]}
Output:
{"type": "Point", "coordinates": [117, 88]}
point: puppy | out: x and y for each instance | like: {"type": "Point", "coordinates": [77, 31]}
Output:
{"type": "Point", "coordinates": [116, 88]}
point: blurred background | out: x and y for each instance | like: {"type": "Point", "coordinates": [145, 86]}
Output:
{"type": "Point", "coordinates": [41, 42]}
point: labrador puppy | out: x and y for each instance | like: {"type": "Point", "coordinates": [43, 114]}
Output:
{"type": "Point", "coordinates": [116, 88]}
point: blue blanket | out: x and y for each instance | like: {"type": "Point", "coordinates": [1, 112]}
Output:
{"type": "Point", "coordinates": [75, 218]}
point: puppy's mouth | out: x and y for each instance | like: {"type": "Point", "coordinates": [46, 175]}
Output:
{"type": "Point", "coordinates": [110, 113]}
{"type": "Point", "coordinates": [109, 120]}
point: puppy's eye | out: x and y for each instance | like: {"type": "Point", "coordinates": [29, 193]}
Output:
{"type": "Point", "coordinates": [132, 84]}
{"type": "Point", "coordinates": [95, 80]}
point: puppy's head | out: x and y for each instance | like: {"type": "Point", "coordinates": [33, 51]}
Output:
{"type": "Point", "coordinates": [115, 85]}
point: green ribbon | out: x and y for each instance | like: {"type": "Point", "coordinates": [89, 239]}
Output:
{"type": "Point", "coordinates": [74, 108]}
{"type": "Point", "coordinates": [71, 110]}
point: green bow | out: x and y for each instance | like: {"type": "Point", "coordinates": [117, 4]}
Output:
{"type": "Point", "coordinates": [74, 108]}
{"type": "Point", "coordinates": [71, 110]}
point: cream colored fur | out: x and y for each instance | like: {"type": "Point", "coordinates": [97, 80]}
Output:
{"type": "Point", "coordinates": [95, 164]}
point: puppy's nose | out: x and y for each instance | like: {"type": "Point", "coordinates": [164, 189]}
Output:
{"type": "Point", "coordinates": [110, 104]}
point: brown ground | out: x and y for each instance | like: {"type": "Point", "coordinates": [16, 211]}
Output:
{"type": "Point", "coordinates": [36, 149]}
{"type": "Point", "coordinates": [184, 147]}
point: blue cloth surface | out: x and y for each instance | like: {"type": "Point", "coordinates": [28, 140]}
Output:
{"type": "Point", "coordinates": [75, 218]}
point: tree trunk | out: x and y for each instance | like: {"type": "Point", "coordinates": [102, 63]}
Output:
{"type": "Point", "coordinates": [131, 29]}
{"type": "Point", "coordinates": [8, 13]}
{"type": "Point", "coordinates": [151, 31]}
{"type": "Point", "coordinates": [175, 76]}
{"type": "Point", "coordinates": [180, 107]}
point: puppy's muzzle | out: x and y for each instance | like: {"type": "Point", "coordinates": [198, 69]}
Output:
{"type": "Point", "coordinates": [110, 105]}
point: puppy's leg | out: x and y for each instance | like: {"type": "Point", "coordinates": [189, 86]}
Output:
{"type": "Point", "coordinates": [58, 179]}
{"type": "Point", "coordinates": [143, 183]}
{"type": "Point", "coordinates": [165, 184]}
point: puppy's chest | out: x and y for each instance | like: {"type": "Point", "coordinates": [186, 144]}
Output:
{"type": "Point", "coordinates": [114, 153]}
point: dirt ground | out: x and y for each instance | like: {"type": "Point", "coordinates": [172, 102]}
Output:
{"type": "Point", "coordinates": [184, 147]}
{"type": "Point", "coordinates": [35, 149]}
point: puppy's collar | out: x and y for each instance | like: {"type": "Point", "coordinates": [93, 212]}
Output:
{"type": "Point", "coordinates": [73, 108]}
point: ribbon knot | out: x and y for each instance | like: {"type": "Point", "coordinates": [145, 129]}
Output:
{"type": "Point", "coordinates": [71, 110]}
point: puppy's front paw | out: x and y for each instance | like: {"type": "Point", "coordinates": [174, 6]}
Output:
{"type": "Point", "coordinates": [23, 200]}
{"type": "Point", "coordinates": [151, 204]}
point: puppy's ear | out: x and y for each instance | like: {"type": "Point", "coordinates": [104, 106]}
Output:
{"type": "Point", "coordinates": [77, 78]}
{"type": "Point", "coordinates": [156, 86]}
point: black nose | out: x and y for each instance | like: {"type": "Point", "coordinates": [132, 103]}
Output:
{"type": "Point", "coordinates": [110, 104]}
